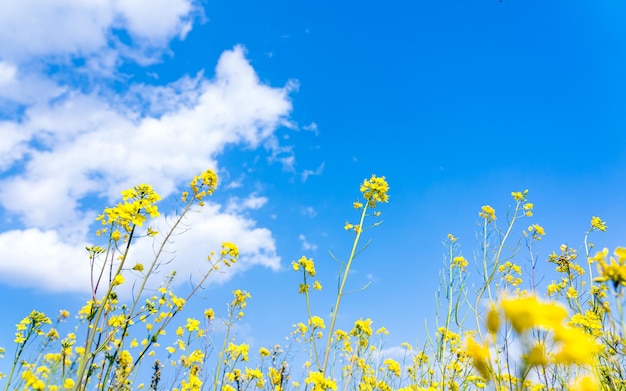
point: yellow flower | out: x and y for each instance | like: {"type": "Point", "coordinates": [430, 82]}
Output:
{"type": "Point", "coordinates": [527, 312]}
{"type": "Point", "coordinates": [493, 320]}
{"type": "Point", "coordinates": [316, 322]}
{"type": "Point", "coordinates": [116, 235]}
{"type": "Point", "coordinates": [306, 263]}
{"type": "Point", "coordinates": [375, 190]}
{"type": "Point", "coordinates": [615, 271]}
{"type": "Point", "coordinates": [382, 330]}
{"type": "Point", "coordinates": [392, 366]}
{"type": "Point", "coordinates": [460, 262]}
{"type": "Point", "coordinates": [118, 280]}
{"type": "Point", "coordinates": [585, 383]}
{"type": "Point", "coordinates": [192, 324]}
{"type": "Point", "coordinates": [517, 195]}
{"type": "Point", "coordinates": [537, 355]}
{"type": "Point", "coordinates": [68, 384]}
{"type": "Point", "coordinates": [597, 223]}
{"type": "Point", "coordinates": [488, 213]}
{"type": "Point", "coordinates": [577, 347]}
{"type": "Point", "coordinates": [479, 353]}
{"type": "Point", "coordinates": [319, 382]}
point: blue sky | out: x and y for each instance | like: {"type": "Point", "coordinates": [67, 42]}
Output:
{"type": "Point", "coordinates": [294, 103]}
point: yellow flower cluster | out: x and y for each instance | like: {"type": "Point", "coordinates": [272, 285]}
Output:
{"type": "Point", "coordinates": [613, 271]}
{"type": "Point", "coordinates": [375, 190]}
{"type": "Point", "coordinates": [201, 186]}
{"type": "Point", "coordinates": [487, 213]}
{"type": "Point", "coordinates": [305, 263]}
{"type": "Point", "coordinates": [137, 203]}
{"type": "Point", "coordinates": [598, 224]}
{"type": "Point", "coordinates": [527, 313]}
{"type": "Point", "coordinates": [319, 382]}
{"type": "Point", "coordinates": [30, 326]}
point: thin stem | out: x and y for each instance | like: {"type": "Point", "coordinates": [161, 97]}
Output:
{"type": "Point", "coordinates": [359, 230]}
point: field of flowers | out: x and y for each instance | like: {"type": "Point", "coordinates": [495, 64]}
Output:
{"type": "Point", "coordinates": [491, 334]}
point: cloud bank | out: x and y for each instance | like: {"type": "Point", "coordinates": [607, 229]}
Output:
{"type": "Point", "coordinates": [68, 147]}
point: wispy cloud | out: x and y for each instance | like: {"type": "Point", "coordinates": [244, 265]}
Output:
{"type": "Point", "coordinates": [318, 171]}
{"type": "Point", "coordinates": [309, 211]}
{"type": "Point", "coordinates": [306, 245]}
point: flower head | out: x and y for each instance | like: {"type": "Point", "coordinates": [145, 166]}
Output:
{"type": "Point", "coordinates": [375, 190]}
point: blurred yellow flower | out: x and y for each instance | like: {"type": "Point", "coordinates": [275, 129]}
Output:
{"type": "Point", "coordinates": [488, 213]}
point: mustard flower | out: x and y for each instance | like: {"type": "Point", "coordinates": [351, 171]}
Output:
{"type": "Point", "coordinates": [518, 195]}
{"type": "Point", "coordinates": [460, 262]}
{"type": "Point", "coordinates": [316, 322]}
{"type": "Point", "coordinates": [362, 327]}
{"type": "Point", "coordinates": [527, 312]}
{"type": "Point", "coordinates": [375, 190]}
{"type": "Point", "coordinates": [537, 355]}
{"type": "Point", "coordinates": [68, 384]}
{"type": "Point", "coordinates": [493, 320]}
{"type": "Point", "coordinates": [192, 325]}
{"type": "Point", "coordinates": [598, 224]}
{"type": "Point", "coordinates": [230, 249]}
{"type": "Point", "coordinates": [615, 271]}
{"type": "Point", "coordinates": [319, 382]}
{"type": "Point", "coordinates": [479, 353]}
{"type": "Point", "coordinates": [585, 383]}
{"type": "Point", "coordinates": [536, 231]}
{"type": "Point", "coordinates": [238, 351]}
{"type": "Point", "coordinates": [576, 347]}
{"type": "Point", "coordinates": [528, 209]}
{"type": "Point", "coordinates": [117, 280]}
{"type": "Point", "coordinates": [487, 213]}
{"type": "Point", "coordinates": [239, 301]}
{"type": "Point", "coordinates": [392, 366]}
{"type": "Point", "coordinates": [305, 263]}
{"type": "Point", "coordinates": [116, 235]}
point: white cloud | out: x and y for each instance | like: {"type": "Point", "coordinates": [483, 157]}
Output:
{"type": "Point", "coordinates": [31, 257]}
{"type": "Point", "coordinates": [74, 145]}
{"type": "Point", "coordinates": [84, 145]}
{"type": "Point", "coordinates": [91, 146]}
{"type": "Point", "coordinates": [203, 232]}
{"type": "Point", "coordinates": [7, 73]}
{"type": "Point", "coordinates": [252, 202]}
{"type": "Point", "coordinates": [33, 28]}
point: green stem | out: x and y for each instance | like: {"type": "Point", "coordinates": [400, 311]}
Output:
{"type": "Point", "coordinates": [489, 277]}
{"type": "Point", "coordinates": [93, 330]}
{"type": "Point", "coordinates": [308, 310]}
{"type": "Point", "coordinates": [448, 316]}
{"type": "Point", "coordinates": [359, 230]}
